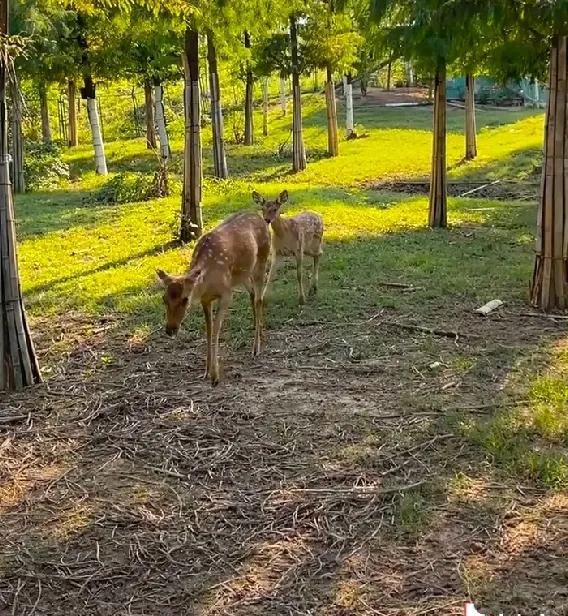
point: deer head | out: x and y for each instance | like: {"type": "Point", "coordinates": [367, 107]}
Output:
{"type": "Point", "coordinates": [270, 209]}
{"type": "Point", "coordinates": [177, 297]}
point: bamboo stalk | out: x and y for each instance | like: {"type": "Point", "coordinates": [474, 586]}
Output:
{"type": "Point", "coordinates": [249, 87]}
{"type": "Point", "coordinates": [470, 124]}
{"type": "Point", "coordinates": [72, 114]}
{"type": "Point", "coordinates": [191, 220]}
{"type": "Point", "coordinates": [17, 139]}
{"type": "Point", "coordinates": [149, 116]}
{"type": "Point", "coordinates": [438, 182]}
{"type": "Point", "coordinates": [298, 151]}
{"type": "Point", "coordinates": [331, 112]}
{"type": "Point", "coordinates": [559, 196]}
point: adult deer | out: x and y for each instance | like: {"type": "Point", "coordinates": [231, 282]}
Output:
{"type": "Point", "coordinates": [295, 236]}
{"type": "Point", "coordinates": [234, 253]}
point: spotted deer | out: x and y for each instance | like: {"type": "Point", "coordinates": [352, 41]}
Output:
{"type": "Point", "coordinates": [234, 253]}
{"type": "Point", "coordinates": [295, 236]}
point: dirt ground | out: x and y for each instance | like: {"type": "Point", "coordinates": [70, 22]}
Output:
{"type": "Point", "coordinates": [378, 96]}
{"type": "Point", "coordinates": [322, 478]}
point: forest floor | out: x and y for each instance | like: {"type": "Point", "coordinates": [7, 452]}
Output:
{"type": "Point", "coordinates": [391, 452]}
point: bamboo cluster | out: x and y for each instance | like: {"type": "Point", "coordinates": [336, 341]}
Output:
{"type": "Point", "coordinates": [549, 288]}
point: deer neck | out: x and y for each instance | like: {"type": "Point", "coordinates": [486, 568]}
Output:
{"type": "Point", "coordinates": [279, 225]}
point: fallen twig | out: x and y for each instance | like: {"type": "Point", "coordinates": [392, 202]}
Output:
{"type": "Point", "coordinates": [474, 190]}
{"type": "Point", "coordinates": [399, 285]}
{"type": "Point", "coordinates": [429, 330]}
{"type": "Point", "coordinates": [543, 315]}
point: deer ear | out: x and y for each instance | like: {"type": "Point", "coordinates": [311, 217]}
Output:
{"type": "Point", "coordinates": [257, 198]}
{"type": "Point", "coordinates": [283, 197]}
{"type": "Point", "coordinates": [194, 276]}
{"type": "Point", "coordinates": [163, 277]}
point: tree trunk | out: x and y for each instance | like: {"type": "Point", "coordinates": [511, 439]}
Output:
{"type": "Point", "coordinates": [283, 95]}
{"type": "Point", "coordinates": [298, 151]}
{"type": "Point", "coordinates": [17, 139]}
{"type": "Point", "coordinates": [89, 94]}
{"type": "Point", "coordinates": [149, 116]}
{"type": "Point", "coordinates": [438, 183]}
{"type": "Point", "coordinates": [410, 74]}
{"type": "Point", "coordinates": [161, 121]}
{"type": "Point", "coordinates": [549, 287]}
{"type": "Point", "coordinates": [18, 362]}
{"type": "Point", "coordinates": [265, 106]}
{"type": "Point", "coordinates": [191, 216]}
{"type": "Point", "coordinates": [249, 132]}
{"type": "Point", "coordinates": [349, 107]}
{"type": "Point", "coordinates": [316, 81]}
{"type": "Point", "coordinates": [389, 73]}
{"type": "Point", "coordinates": [219, 158]}
{"type": "Point", "coordinates": [44, 112]}
{"type": "Point", "coordinates": [470, 126]}
{"type": "Point", "coordinates": [72, 114]}
{"type": "Point", "coordinates": [332, 134]}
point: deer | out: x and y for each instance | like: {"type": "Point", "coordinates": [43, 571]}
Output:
{"type": "Point", "coordinates": [234, 253]}
{"type": "Point", "coordinates": [295, 236]}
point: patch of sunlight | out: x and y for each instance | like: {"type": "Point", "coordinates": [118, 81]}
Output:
{"type": "Point", "coordinates": [70, 522]}
{"type": "Point", "coordinates": [463, 488]}
{"type": "Point", "coordinates": [348, 594]}
{"type": "Point", "coordinates": [476, 573]}
{"type": "Point", "coordinates": [261, 574]}
{"type": "Point", "coordinates": [23, 482]}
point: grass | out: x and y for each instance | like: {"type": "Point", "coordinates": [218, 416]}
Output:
{"type": "Point", "coordinates": [474, 413]}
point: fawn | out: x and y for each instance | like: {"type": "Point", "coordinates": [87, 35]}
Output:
{"type": "Point", "coordinates": [295, 236]}
{"type": "Point", "coordinates": [234, 253]}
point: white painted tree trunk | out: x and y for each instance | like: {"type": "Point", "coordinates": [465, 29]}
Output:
{"type": "Point", "coordinates": [283, 95]}
{"type": "Point", "coordinates": [344, 85]}
{"type": "Point", "coordinates": [349, 109]}
{"type": "Point", "coordinates": [536, 93]}
{"type": "Point", "coordinates": [97, 137]}
{"type": "Point", "coordinates": [161, 122]}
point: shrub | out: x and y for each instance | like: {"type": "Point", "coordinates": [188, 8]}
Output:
{"type": "Point", "coordinates": [129, 187]}
{"type": "Point", "coordinates": [44, 168]}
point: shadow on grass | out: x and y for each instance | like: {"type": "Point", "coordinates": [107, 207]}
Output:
{"type": "Point", "coordinates": [40, 213]}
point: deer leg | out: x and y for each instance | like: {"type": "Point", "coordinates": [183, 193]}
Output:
{"type": "Point", "coordinates": [255, 317]}
{"type": "Point", "coordinates": [208, 312]}
{"type": "Point", "coordinates": [270, 271]}
{"type": "Point", "coordinates": [300, 272]}
{"type": "Point", "coordinates": [222, 309]}
{"type": "Point", "coordinates": [258, 292]}
{"type": "Point", "coordinates": [315, 276]}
